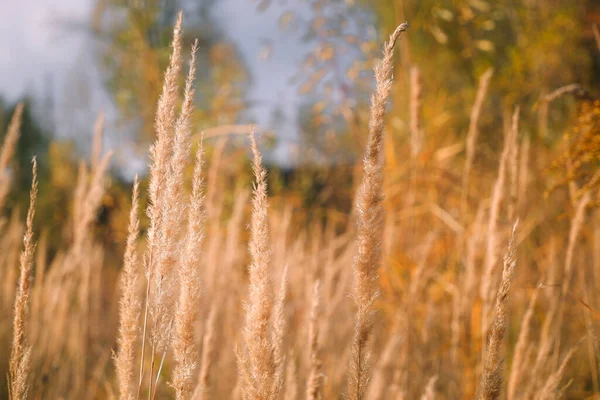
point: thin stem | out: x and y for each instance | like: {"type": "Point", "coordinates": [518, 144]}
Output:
{"type": "Point", "coordinates": [151, 388]}
{"type": "Point", "coordinates": [162, 361]}
{"type": "Point", "coordinates": [141, 381]}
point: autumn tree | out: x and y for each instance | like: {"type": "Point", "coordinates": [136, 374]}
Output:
{"type": "Point", "coordinates": [134, 39]}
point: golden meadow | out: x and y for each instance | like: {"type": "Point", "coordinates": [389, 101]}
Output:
{"type": "Point", "coordinates": [450, 278]}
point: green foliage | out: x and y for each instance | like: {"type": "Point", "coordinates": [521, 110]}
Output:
{"type": "Point", "coordinates": [33, 141]}
{"type": "Point", "coordinates": [56, 169]}
{"type": "Point", "coordinates": [525, 43]}
{"type": "Point", "coordinates": [136, 53]}
{"type": "Point", "coordinates": [579, 163]}
{"type": "Point", "coordinates": [335, 82]}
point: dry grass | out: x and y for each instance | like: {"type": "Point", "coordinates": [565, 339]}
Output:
{"type": "Point", "coordinates": [186, 310]}
{"type": "Point", "coordinates": [491, 381]}
{"type": "Point", "coordinates": [129, 305]}
{"type": "Point", "coordinates": [314, 386]}
{"type": "Point", "coordinates": [8, 150]}
{"type": "Point", "coordinates": [20, 357]}
{"type": "Point", "coordinates": [265, 314]}
{"type": "Point", "coordinates": [260, 365]}
{"type": "Point", "coordinates": [370, 224]}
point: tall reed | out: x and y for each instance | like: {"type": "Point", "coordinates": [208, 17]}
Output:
{"type": "Point", "coordinates": [20, 356]}
{"type": "Point", "coordinates": [129, 305]}
{"type": "Point", "coordinates": [259, 366]}
{"type": "Point", "coordinates": [369, 206]}
{"type": "Point", "coordinates": [158, 175]}
{"type": "Point", "coordinates": [8, 150]}
{"type": "Point", "coordinates": [491, 380]}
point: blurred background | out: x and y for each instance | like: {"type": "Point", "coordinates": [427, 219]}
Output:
{"type": "Point", "coordinates": [302, 71]}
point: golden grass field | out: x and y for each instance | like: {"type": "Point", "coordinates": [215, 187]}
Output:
{"type": "Point", "coordinates": [454, 284]}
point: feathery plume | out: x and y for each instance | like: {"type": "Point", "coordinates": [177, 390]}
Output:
{"type": "Point", "coordinates": [185, 345]}
{"type": "Point", "coordinates": [259, 367]}
{"type": "Point", "coordinates": [129, 304]}
{"type": "Point", "coordinates": [491, 380]}
{"type": "Point", "coordinates": [172, 213]}
{"type": "Point", "coordinates": [370, 223]}
{"type": "Point", "coordinates": [160, 154]}
{"type": "Point", "coordinates": [165, 120]}
{"type": "Point", "coordinates": [20, 356]}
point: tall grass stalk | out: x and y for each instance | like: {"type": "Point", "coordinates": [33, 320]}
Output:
{"type": "Point", "coordinates": [7, 151]}
{"type": "Point", "coordinates": [185, 346]}
{"type": "Point", "coordinates": [369, 207]}
{"type": "Point", "coordinates": [473, 133]}
{"type": "Point", "coordinates": [129, 305]}
{"type": "Point", "coordinates": [259, 365]}
{"type": "Point", "coordinates": [20, 355]}
{"type": "Point", "coordinates": [159, 154]}
{"type": "Point", "coordinates": [491, 380]}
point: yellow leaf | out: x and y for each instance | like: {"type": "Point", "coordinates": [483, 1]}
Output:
{"type": "Point", "coordinates": [485, 45]}
{"type": "Point", "coordinates": [319, 106]}
{"type": "Point", "coordinates": [326, 52]}
{"type": "Point", "coordinates": [286, 19]}
{"type": "Point", "coordinates": [318, 23]}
